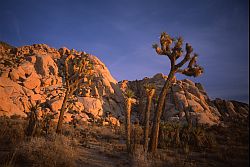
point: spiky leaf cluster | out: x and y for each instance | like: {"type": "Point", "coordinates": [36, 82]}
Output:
{"type": "Point", "coordinates": [129, 94]}
{"type": "Point", "coordinates": [149, 88]}
{"type": "Point", "coordinates": [173, 49]}
{"type": "Point", "coordinates": [78, 69]}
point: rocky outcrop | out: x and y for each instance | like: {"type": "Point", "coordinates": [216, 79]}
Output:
{"type": "Point", "coordinates": [35, 74]}
{"type": "Point", "coordinates": [229, 109]}
{"type": "Point", "coordinates": [184, 95]}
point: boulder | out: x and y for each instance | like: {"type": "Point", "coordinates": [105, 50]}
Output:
{"type": "Point", "coordinates": [77, 107]}
{"type": "Point", "coordinates": [176, 88]}
{"type": "Point", "coordinates": [36, 97]}
{"type": "Point", "coordinates": [182, 101]}
{"type": "Point", "coordinates": [67, 117]}
{"type": "Point", "coordinates": [159, 76]}
{"type": "Point", "coordinates": [194, 90]}
{"type": "Point", "coordinates": [230, 109]}
{"type": "Point", "coordinates": [6, 91]}
{"type": "Point", "coordinates": [92, 106]}
{"type": "Point", "coordinates": [6, 82]}
{"type": "Point", "coordinates": [31, 59]}
{"type": "Point", "coordinates": [170, 113]}
{"type": "Point", "coordinates": [64, 51]}
{"type": "Point", "coordinates": [45, 65]}
{"type": "Point", "coordinates": [21, 72]}
{"type": "Point", "coordinates": [14, 75]}
{"type": "Point", "coordinates": [114, 121]}
{"type": "Point", "coordinates": [84, 117]}
{"type": "Point", "coordinates": [8, 107]}
{"type": "Point", "coordinates": [56, 104]}
{"type": "Point", "coordinates": [207, 118]}
{"type": "Point", "coordinates": [27, 68]}
{"type": "Point", "coordinates": [110, 105]}
{"type": "Point", "coordinates": [195, 106]}
{"type": "Point", "coordinates": [5, 74]}
{"type": "Point", "coordinates": [189, 82]}
{"type": "Point", "coordinates": [32, 81]}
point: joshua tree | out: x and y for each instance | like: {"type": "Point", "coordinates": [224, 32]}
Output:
{"type": "Point", "coordinates": [77, 69]}
{"type": "Point", "coordinates": [150, 91]}
{"type": "Point", "coordinates": [129, 94]}
{"type": "Point", "coordinates": [172, 48]}
{"type": "Point", "coordinates": [33, 119]}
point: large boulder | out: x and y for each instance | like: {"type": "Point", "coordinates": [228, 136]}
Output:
{"type": "Point", "coordinates": [195, 106]}
{"type": "Point", "coordinates": [32, 82]}
{"type": "Point", "coordinates": [11, 95]}
{"type": "Point", "coordinates": [45, 65]}
{"type": "Point", "coordinates": [27, 67]}
{"type": "Point", "coordinates": [92, 106]}
{"type": "Point", "coordinates": [56, 104]}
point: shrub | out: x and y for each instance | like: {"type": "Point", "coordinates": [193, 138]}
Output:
{"type": "Point", "coordinates": [169, 135]}
{"type": "Point", "coordinates": [173, 135]}
{"type": "Point", "coordinates": [197, 137]}
{"type": "Point", "coordinates": [53, 151]}
{"type": "Point", "coordinates": [11, 132]}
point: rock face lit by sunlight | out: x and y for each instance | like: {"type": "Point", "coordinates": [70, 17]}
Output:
{"type": "Point", "coordinates": [35, 73]}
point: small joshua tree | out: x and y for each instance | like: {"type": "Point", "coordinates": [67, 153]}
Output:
{"type": "Point", "coordinates": [172, 48]}
{"type": "Point", "coordinates": [150, 91]}
{"type": "Point", "coordinates": [33, 119]}
{"type": "Point", "coordinates": [129, 94]}
{"type": "Point", "coordinates": [77, 69]}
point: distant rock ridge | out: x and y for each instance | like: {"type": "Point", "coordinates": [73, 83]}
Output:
{"type": "Point", "coordinates": [184, 95]}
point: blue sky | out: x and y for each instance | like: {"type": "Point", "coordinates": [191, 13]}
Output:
{"type": "Point", "coordinates": [121, 32]}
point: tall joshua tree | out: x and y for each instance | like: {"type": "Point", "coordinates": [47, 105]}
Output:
{"type": "Point", "coordinates": [172, 48]}
{"type": "Point", "coordinates": [150, 91]}
{"type": "Point", "coordinates": [129, 94]}
{"type": "Point", "coordinates": [76, 68]}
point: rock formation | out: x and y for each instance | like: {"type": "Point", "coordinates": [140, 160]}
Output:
{"type": "Point", "coordinates": [35, 74]}
{"type": "Point", "coordinates": [184, 95]}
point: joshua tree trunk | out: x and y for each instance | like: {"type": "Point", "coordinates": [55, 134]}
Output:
{"type": "Point", "coordinates": [63, 109]}
{"type": "Point", "coordinates": [147, 115]}
{"type": "Point", "coordinates": [157, 117]}
{"type": "Point", "coordinates": [32, 123]}
{"type": "Point", "coordinates": [128, 124]}
{"type": "Point", "coordinates": [187, 113]}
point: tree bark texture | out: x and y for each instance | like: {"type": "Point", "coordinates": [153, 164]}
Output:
{"type": "Point", "coordinates": [156, 124]}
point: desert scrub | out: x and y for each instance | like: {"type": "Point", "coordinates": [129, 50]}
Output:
{"type": "Point", "coordinates": [11, 131]}
{"type": "Point", "coordinates": [169, 135]}
{"type": "Point", "coordinates": [54, 151]}
{"type": "Point", "coordinates": [197, 137]}
{"type": "Point", "coordinates": [175, 135]}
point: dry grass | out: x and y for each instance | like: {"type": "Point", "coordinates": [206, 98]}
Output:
{"type": "Point", "coordinates": [11, 132]}
{"type": "Point", "coordinates": [105, 146]}
{"type": "Point", "coordinates": [175, 136]}
{"type": "Point", "coordinates": [53, 151]}
{"type": "Point", "coordinates": [16, 149]}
